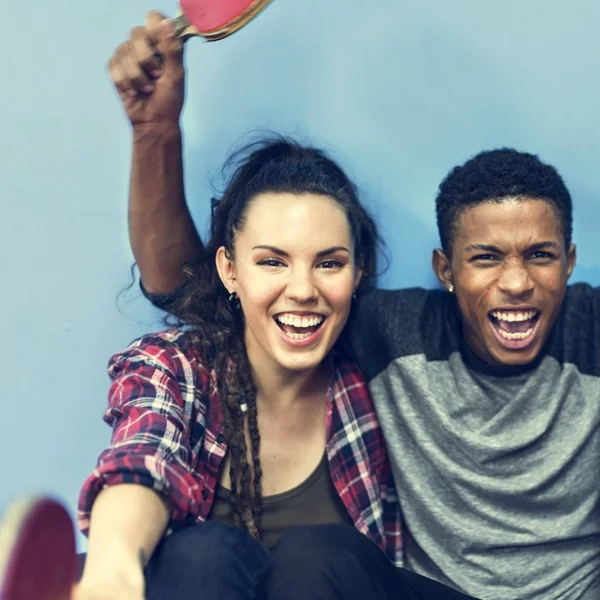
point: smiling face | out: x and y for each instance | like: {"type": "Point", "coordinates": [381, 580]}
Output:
{"type": "Point", "coordinates": [509, 268]}
{"type": "Point", "coordinates": [294, 271]}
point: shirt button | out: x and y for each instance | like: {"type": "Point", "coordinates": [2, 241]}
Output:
{"type": "Point", "coordinates": [204, 494]}
{"type": "Point", "coordinates": [220, 438]}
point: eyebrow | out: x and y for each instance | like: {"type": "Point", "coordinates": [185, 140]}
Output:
{"type": "Point", "coordinates": [325, 252]}
{"type": "Point", "coordinates": [548, 245]}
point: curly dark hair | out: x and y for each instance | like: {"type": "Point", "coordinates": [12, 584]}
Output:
{"type": "Point", "coordinates": [494, 175]}
{"type": "Point", "coordinates": [279, 165]}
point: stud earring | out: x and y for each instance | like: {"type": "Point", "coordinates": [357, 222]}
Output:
{"type": "Point", "coordinates": [451, 289]}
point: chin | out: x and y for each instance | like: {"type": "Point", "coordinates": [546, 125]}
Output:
{"type": "Point", "coordinates": [300, 363]}
{"type": "Point", "coordinates": [300, 366]}
{"type": "Point", "coordinates": [516, 359]}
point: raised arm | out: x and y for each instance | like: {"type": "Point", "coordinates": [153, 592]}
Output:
{"type": "Point", "coordinates": [149, 75]}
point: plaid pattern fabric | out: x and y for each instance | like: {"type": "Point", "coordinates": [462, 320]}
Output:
{"type": "Point", "coordinates": [168, 435]}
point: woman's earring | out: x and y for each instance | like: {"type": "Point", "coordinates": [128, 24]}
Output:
{"type": "Point", "coordinates": [451, 289]}
{"type": "Point", "coordinates": [234, 301]}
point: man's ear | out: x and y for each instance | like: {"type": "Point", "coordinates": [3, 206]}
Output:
{"type": "Point", "coordinates": [441, 267]}
{"type": "Point", "coordinates": [571, 259]}
{"type": "Point", "coordinates": [226, 269]}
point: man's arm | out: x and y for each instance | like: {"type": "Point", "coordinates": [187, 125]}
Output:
{"type": "Point", "coordinates": [148, 73]}
{"type": "Point", "coordinates": [161, 231]}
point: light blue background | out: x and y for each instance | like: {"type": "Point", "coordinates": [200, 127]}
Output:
{"type": "Point", "coordinates": [400, 90]}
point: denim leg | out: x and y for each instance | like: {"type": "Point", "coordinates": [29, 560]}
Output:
{"type": "Point", "coordinates": [337, 562]}
{"type": "Point", "coordinates": [206, 561]}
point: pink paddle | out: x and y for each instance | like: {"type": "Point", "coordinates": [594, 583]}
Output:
{"type": "Point", "coordinates": [215, 19]}
{"type": "Point", "coordinates": [37, 552]}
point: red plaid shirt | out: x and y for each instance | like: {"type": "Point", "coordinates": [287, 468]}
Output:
{"type": "Point", "coordinates": [168, 435]}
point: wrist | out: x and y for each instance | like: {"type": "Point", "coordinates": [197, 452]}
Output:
{"type": "Point", "coordinates": [120, 567]}
{"type": "Point", "coordinates": [115, 584]}
{"type": "Point", "coordinates": [156, 131]}
{"type": "Point", "coordinates": [107, 588]}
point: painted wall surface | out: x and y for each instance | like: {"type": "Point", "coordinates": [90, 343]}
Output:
{"type": "Point", "coordinates": [399, 90]}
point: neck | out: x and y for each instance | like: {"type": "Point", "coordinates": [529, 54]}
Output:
{"type": "Point", "coordinates": [281, 388]}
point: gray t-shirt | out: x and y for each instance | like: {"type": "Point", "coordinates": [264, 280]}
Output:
{"type": "Point", "coordinates": [497, 469]}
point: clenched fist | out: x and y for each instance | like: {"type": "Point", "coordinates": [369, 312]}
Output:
{"type": "Point", "coordinates": [148, 73]}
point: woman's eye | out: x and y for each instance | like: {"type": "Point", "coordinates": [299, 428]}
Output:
{"type": "Point", "coordinates": [330, 264]}
{"type": "Point", "coordinates": [270, 262]}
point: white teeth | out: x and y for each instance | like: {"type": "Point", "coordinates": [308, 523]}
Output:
{"type": "Point", "coordinates": [514, 316]}
{"type": "Point", "coordinates": [515, 336]}
{"type": "Point", "coordinates": [297, 336]}
{"type": "Point", "coordinates": [298, 321]}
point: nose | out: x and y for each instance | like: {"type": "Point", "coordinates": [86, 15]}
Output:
{"type": "Point", "coordinates": [301, 285]}
{"type": "Point", "coordinates": [515, 279]}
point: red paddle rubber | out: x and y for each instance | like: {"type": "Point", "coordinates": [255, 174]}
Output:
{"type": "Point", "coordinates": [210, 15]}
{"type": "Point", "coordinates": [37, 552]}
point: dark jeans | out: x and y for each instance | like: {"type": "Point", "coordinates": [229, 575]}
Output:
{"type": "Point", "coordinates": [212, 561]}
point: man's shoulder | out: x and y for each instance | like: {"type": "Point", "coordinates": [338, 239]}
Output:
{"type": "Point", "coordinates": [404, 308]}
{"type": "Point", "coordinates": [391, 324]}
{"type": "Point", "coordinates": [576, 339]}
{"type": "Point", "coordinates": [396, 297]}
{"type": "Point", "coordinates": [582, 292]}
{"type": "Point", "coordinates": [402, 305]}
{"type": "Point", "coordinates": [581, 308]}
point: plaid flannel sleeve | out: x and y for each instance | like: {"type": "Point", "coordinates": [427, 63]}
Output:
{"type": "Point", "coordinates": [148, 409]}
{"type": "Point", "coordinates": [359, 445]}
{"type": "Point", "coordinates": [392, 516]}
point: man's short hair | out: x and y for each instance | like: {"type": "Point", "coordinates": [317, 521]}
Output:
{"type": "Point", "coordinates": [493, 176]}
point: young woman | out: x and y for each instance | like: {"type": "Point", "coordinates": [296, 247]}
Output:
{"type": "Point", "coordinates": [248, 421]}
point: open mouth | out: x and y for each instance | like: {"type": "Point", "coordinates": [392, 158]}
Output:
{"type": "Point", "coordinates": [299, 327]}
{"type": "Point", "coordinates": [515, 328]}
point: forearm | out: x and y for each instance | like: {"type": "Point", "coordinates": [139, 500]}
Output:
{"type": "Point", "coordinates": [162, 233]}
{"type": "Point", "coordinates": [127, 522]}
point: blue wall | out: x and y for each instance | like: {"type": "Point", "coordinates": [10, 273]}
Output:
{"type": "Point", "coordinates": [400, 90]}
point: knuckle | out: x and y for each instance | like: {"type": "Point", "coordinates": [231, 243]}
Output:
{"type": "Point", "coordinates": [115, 74]}
{"type": "Point", "coordinates": [146, 56]}
{"type": "Point", "coordinates": [136, 32]}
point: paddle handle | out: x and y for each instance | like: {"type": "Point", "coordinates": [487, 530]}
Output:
{"type": "Point", "coordinates": [182, 26]}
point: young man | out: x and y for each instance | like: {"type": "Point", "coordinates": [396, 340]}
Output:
{"type": "Point", "coordinates": [488, 392]}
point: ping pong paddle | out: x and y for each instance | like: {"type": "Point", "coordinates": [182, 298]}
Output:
{"type": "Point", "coordinates": [37, 552]}
{"type": "Point", "coordinates": [215, 19]}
